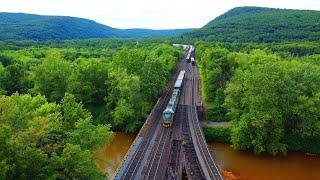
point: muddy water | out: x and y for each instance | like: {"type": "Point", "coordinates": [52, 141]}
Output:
{"type": "Point", "coordinates": [109, 157]}
{"type": "Point", "coordinates": [245, 165]}
{"type": "Point", "coordinates": [236, 165]}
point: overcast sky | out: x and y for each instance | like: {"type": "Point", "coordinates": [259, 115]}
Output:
{"type": "Point", "coordinates": [154, 14]}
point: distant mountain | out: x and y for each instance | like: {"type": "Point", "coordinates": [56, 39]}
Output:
{"type": "Point", "coordinates": [256, 24]}
{"type": "Point", "coordinates": [153, 33]}
{"type": "Point", "coordinates": [20, 26]}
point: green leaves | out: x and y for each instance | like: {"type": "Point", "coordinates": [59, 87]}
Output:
{"type": "Point", "coordinates": [72, 111]}
{"type": "Point", "coordinates": [49, 134]}
{"type": "Point", "coordinates": [216, 66]}
{"type": "Point", "coordinates": [136, 78]}
{"type": "Point", "coordinates": [47, 140]}
{"type": "Point", "coordinates": [88, 82]}
{"type": "Point", "coordinates": [77, 164]}
{"type": "Point", "coordinates": [268, 99]}
{"type": "Point", "coordinates": [263, 25]}
{"type": "Point", "coordinates": [88, 136]}
{"type": "Point", "coordinates": [51, 77]}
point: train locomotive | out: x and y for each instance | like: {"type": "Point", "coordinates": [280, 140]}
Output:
{"type": "Point", "coordinates": [168, 113]}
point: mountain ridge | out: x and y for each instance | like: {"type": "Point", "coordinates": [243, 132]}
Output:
{"type": "Point", "coordinates": [23, 26]}
{"type": "Point", "coordinates": [259, 24]}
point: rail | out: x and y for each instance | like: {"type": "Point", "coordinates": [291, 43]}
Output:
{"type": "Point", "coordinates": [201, 142]}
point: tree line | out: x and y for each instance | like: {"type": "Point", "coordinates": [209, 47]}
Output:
{"type": "Point", "coordinates": [271, 99]}
{"type": "Point", "coordinates": [59, 103]}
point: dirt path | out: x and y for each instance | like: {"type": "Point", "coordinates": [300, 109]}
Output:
{"type": "Point", "coordinates": [210, 123]}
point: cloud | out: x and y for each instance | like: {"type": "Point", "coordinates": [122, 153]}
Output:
{"type": "Point", "coordinates": [160, 14]}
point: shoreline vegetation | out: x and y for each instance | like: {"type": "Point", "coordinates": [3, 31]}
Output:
{"type": "Point", "coordinates": [272, 101]}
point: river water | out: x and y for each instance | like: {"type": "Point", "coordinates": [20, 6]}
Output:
{"type": "Point", "coordinates": [235, 165]}
{"type": "Point", "coordinates": [109, 157]}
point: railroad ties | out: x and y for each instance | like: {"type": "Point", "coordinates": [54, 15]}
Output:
{"type": "Point", "coordinates": [178, 152]}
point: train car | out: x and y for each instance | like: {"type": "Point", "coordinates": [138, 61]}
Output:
{"type": "Point", "coordinates": [188, 58]}
{"type": "Point", "coordinates": [169, 112]}
{"type": "Point", "coordinates": [189, 54]}
{"type": "Point", "coordinates": [193, 61]}
{"type": "Point", "coordinates": [179, 82]}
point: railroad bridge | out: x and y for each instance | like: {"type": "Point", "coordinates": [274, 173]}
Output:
{"type": "Point", "coordinates": [178, 152]}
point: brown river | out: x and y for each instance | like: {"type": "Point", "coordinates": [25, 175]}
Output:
{"type": "Point", "coordinates": [235, 165]}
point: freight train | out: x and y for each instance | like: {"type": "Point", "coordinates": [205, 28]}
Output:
{"type": "Point", "coordinates": [188, 58]}
{"type": "Point", "coordinates": [192, 61]}
{"type": "Point", "coordinates": [169, 112]}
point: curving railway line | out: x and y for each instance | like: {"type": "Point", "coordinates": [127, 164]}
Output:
{"type": "Point", "coordinates": [178, 152]}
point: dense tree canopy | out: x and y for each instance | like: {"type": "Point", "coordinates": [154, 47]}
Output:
{"type": "Point", "coordinates": [217, 66]}
{"type": "Point", "coordinates": [59, 101]}
{"type": "Point", "coordinates": [88, 82]}
{"type": "Point", "coordinates": [256, 24]}
{"type": "Point", "coordinates": [271, 96]}
{"type": "Point", "coordinates": [84, 72]}
{"type": "Point", "coordinates": [50, 77]}
{"type": "Point", "coordinates": [40, 140]}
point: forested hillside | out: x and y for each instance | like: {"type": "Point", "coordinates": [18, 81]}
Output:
{"type": "Point", "coordinates": [255, 24]}
{"type": "Point", "coordinates": [59, 101]}
{"type": "Point", "coordinates": [19, 26]}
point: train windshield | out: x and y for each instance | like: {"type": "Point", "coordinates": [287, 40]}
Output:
{"type": "Point", "coordinates": [167, 115]}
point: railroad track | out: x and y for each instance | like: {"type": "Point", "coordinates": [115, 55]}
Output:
{"type": "Point", "coordinates": [193, 166]}
{"type": "Point", "coordinates": [157, 151]}
{"type": "Point", "coordinates": [172, 172]}
{"type": "Point", "coordinates": [210, 170]}
{"type": "Point", "coordinates": [132, 165]}
{"type": "Point", "coordinates": [139, 155]}
{"type": "Point", "coordinates": [153, 167]}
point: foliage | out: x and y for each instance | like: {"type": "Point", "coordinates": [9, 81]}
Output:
{"type": "Point", "coordinates": [268, 98]}
{"type": "Point", "coordinates": [19, 26]}
{"type": "Point", "coordinates": [126, 100]}
{"type": "Point", "coordinates": [139, 72]}
{"type": "Point", "coordinates": [217, 133]}
{"type": "Point", "coordinates": [271, 96]}
{"type": "Point", "coordinates": [51, 76]}
{"type": "Point", "coordinates": [35, 143]}
{"type": "Point", "coordinates": [263, 25]}
{"type": "Point", "coordinates": [88, 82]}
{"type": "Point", "coordinates": [298, 142]}
{"type": "Point", "coordinates": [216, 65]}
{"type": "Point", "coordinates": [137, 76]}
{"type": "Point", "coordinates": [49, 134]}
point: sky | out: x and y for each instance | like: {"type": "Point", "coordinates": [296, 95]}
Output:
{"type": "Point", "coordinates": [152, 14]}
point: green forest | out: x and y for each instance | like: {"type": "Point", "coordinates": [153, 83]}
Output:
{"type": "Point", "coordinates": [59, 103]}
{"type": "Point", "coordinates": [257, 24]}
{"type": "Point", "coordinates": [271, 96]}
{"type": "Point", "coordinates": [21, 26]}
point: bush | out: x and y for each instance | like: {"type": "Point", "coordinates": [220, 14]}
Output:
{"type": "Point", "coordinates": [296, 142]}
{"type": "Point", "coordinates": [217, 133]}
